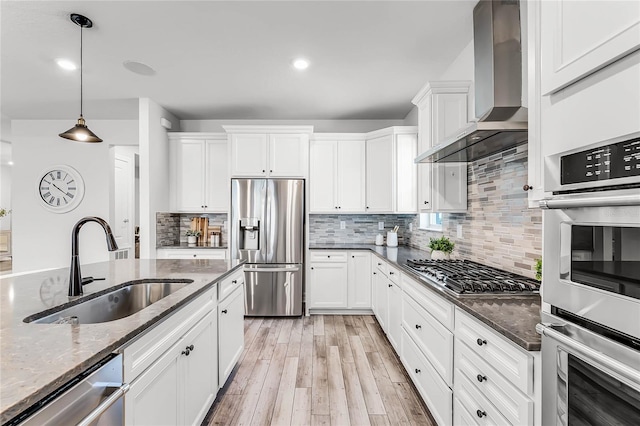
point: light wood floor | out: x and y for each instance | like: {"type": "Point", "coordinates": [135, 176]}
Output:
{"type": "Point", "coordinates": [319, 370]}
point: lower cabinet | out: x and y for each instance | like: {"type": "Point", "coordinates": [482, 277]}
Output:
{"type": "Point", "coordinates": [328, 285]}
{"type": "Point", "coordinates": [195, 253]}
{"type": "Point", "coordinates": [394, 315]}
{"type": "Point", "coordinates": [182, 384]}
{"type": "Point", "coordinates": [359, 280]}
{"type": "Point", "coordinates": [231, 334]}
{"type": "Point", "coordinates": [380, 287]}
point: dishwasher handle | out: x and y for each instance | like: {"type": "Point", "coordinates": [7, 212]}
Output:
{"type": "Point", "coordinates": [104, 405]}
{"type": "Point", "coordinates": [277, 269]}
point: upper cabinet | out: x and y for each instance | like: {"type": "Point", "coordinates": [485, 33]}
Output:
{"type": "Point", "coordinates": [442, 111]}
{"type": "Point", "coordinates": [580, 37]}
{"type": "Point", "coordinates": [380, 176]}
{"type": "Point", "coordinates": [199, 173]}
{"type": "Point", "coordinates": [269, 151]}
{"type": "Point", "coordinates": [337, 173]}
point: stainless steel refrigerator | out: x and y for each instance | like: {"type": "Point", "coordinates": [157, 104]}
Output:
{"type": "Point", "coordinates": [267, 230]}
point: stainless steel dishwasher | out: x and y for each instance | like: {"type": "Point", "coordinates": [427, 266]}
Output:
{"type": "Point", "coordinates": [94, 398]}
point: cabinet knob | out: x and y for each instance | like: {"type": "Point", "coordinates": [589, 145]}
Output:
{"type": "Point", "coordinates": [391, 272]}
{"type": "Point", "coordinates": [194, 255]}
{"type": "Point", "coordinates": [353, 257]}
{"type": "Point", "coordinates": [234, 282]}
{"type": "Point", "coordinates": [481, 378]}
{"type": "Point", "coordinates": [224, 311]}
{"type": "Point", "coordinates": [390, 285]}
{"type": "Point", "coordinates": [206, 207]}
{"type": "Point", "coordinates": [329, 256]}
{"type": "Point", "coordinates": [202, 207]}
{"type": "Point", "coordinates": [373, 273]}
{"type": "Point", "coordinates": [481, 342]}
{"type": "Point", "coordinates": [339, 207]}
{"type": "Point", "coordinates": [312, 267]}
{"type": "Point", "coordinates": [480, 413]}
{"type": "Point", "coordinates": [186, 352]}
{"type": "Point", "coordinates": [367, 207]}
{"type": "Point", "coordinates": [418, 326]}
{"type": "Point", "coordinates": [191, 347]}
{"type": "Point", "coordinates": [417, 370]}
{"type": "Point", "coordinates": [426, 202]}
{"type": "Point", "coordinates": [270, 171]}
{"type": "Point", "coordinates": [527, 187]}
{"type": "Point", "coordinates": [263, 171]}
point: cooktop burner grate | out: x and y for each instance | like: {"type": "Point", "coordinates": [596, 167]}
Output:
{"type": "Point", "coordinates": [467, 277]}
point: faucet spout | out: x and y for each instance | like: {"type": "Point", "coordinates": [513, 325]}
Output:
{"type": "Point", "coordinates": [75, 276]}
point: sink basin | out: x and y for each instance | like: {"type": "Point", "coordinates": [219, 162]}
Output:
{"type": "Point", "coordinates": [116, 304]}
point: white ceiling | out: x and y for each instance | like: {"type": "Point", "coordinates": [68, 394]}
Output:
{"type": "Point", "coordinates": [229, 60]}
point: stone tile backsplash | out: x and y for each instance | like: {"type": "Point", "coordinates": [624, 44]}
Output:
{"type": "Point", "coordinates": [170, 227]}
{"type": "Point", "coordinates": [498, 228]}
{"type": "Point", "coordinates": [359, 228]}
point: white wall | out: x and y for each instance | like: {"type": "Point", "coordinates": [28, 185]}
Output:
{"type": "Point", "coordinates": [154, 171]}
{"type": "Point", "coordinates": [319, 126]}
{"type": "Point", "coordinates": [42, 239]}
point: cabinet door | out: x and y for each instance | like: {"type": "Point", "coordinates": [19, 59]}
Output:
{"type": "Point", "coordinates": [322, 177]}
{"type": "Point", "coordinates": [394, 326]}
{"type": "Point", "coordinates": [407, 174]}
{"type": "Point", "coordinates": [153, 398]}
{"type": "Point", "coordinates": [359, 280]}
{"type": "Point", "coordinates": [190, 175]}
{"type": "Point", "coordinates": [217, 177]}
{"type": "Point", "coordinates": [449, 115]}
{"type": "Point", "coordinates": [230, 334]}
{"type": "Point", "coordinates": [580, 37]}
{"type": "Point", "coordinates": [249, 155]}
{"type": "Point", "coordinates": [382, 306]}
{"type": "Point", "coordinates": [351, 174]}
{"type": "Point", "coordinates": [425, 200]}
{"type": "Point", "coordinates": [288, 155]}
{"type": "Point", "coordinates": [380, 176]}
{"type": "Point", "coordinates": [328, 285]}
{"type": "Point", "coordinates": [451, 188]}
{"type": "Point", "coordinates": [200, 368]}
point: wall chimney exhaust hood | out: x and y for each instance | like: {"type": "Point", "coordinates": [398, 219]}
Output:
{"type": "Point", "coordinates": [498, 88]}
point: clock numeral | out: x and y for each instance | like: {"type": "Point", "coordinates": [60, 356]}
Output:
{"type": "Point", "coordinates": [58, 174]}
{"type": "Point", "coordinates": [71, 188]}
{"type": "Point", "coordinates": [70, 195]}
{"type": "Point", "coordinates": [57, 201]}
{"type": "Point", "coordinates": [51, 200]}
{"type": "Point", "coordinates": [52, 176]}
{"type": "Point", "coordinates": [46, 181]}
{"type": "Point", "coordinates": [70, 182]}
{"type": "Point", "coordinates": [65, 200]}
{"type": "Point", "coordinates": [47, 195]}
{"type": "Point", "coordinates": [44, 188]}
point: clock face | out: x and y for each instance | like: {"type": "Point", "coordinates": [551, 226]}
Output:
{"type": "Point", "coordinates": [60, 189]}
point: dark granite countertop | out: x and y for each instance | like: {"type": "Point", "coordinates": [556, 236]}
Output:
{"type": "Point", "coordinates": [192, 246]}
{"type": "Point", "coordinates": [515, 317]}
{"type": "Point", "coordinates": [36, 359]}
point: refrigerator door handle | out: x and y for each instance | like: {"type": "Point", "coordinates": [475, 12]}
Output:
{"type": "Point", "coordinates": [277, 269]}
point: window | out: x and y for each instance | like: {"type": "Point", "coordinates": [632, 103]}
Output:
{"type": "Point", "coordinates": [432, 221]}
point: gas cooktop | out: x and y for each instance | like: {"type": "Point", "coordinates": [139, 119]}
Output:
{"type": "Point", "coordinates": [467, 278]}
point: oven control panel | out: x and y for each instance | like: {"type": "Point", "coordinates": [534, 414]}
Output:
{"type": "Point", "coordinates": [618, 160]}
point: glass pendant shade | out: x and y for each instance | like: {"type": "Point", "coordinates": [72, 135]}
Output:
{"type": "Point", "coordinates": [80, 132]}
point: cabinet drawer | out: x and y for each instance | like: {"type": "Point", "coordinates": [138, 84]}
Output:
{"type": "Point", "coordinates": [230, 334]}
{"type": "Point", "coordinates": [215, 254]}
{"type": "Point", "coordinates": [511, 403]}
{"type": "Point", "coordinates": [433, 339]}
{"type": "Point", "coordinates": [435, 305]}
{"type": "Point", "coordinates": [394, 274]}
{"type": "Point", "coordinates": [144, 351]}
{"type": "Point", "coordinates": [327, 256]}
{"type": "Point", "coordinates": [475, 403]}
{"type": "Point", "coordinates": [382, 266]}
{"type": "Point", "coordinates": [432, 388]}
{"type": "Point", "coordinates": [461, 417]}
{"type": "Point", "coordinates": [229, 284]}
{"type": "Point", "coordinates": [515, 365]}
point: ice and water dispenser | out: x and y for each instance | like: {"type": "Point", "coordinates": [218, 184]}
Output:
{"type": "Point", "coordinates": [249, 234]}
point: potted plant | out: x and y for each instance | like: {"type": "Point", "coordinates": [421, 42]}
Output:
{"type": "Point", "coordinates": [441, 248]}
{"type": "Point", "coordinates": [192, 236]}
{"type": "Point", "coordinates": [538, 269]}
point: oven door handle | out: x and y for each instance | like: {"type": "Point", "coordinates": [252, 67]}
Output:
{"type": "Point", "coordinates": [104, 405]}
{"type": "Point", "coordinates": [599, 201]}
{"type": "Point", "coordinates": [556, 332]}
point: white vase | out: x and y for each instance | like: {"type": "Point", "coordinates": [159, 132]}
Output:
{"type": "Point", "coordinates": [192, 239]}
{"type": "Point", "coordinates": [440, 255]}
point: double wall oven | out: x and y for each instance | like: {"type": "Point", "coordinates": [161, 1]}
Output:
{"type": "Point", "coordinates": [591, 285]}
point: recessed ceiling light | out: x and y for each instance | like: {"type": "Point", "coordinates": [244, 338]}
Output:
{"type": "Point", "coordinates": [66, 64]}
{"type": "Point", "coordinates": [10, 163]}
{"type": "Point", "coordinates": [301, 64]}
{"type": "Point", "coordinates": [139, 68]}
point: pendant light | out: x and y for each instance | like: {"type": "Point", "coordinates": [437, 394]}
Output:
{"type": "Point", "coordinates": [80, 132]}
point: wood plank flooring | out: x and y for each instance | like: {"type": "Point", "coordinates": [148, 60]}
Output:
{"type": "Point", "coordinates": [321, 370]}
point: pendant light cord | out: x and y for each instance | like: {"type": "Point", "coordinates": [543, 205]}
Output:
{"type": "Point", "coordinates": [81, 26]}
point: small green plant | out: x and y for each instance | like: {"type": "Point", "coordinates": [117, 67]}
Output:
{"type": "Point", "coordinates": [443, 244]}
{"type": "Point", "coordinates": [538, 269]}
{"type": "Point", "coordinates": [4, 212]}
{"type": "Point", "coordinates": [192, 233]}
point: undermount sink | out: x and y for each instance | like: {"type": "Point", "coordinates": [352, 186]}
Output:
{"type": "Point", "coordinates": [114, 305]}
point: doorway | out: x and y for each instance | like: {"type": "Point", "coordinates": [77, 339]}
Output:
{"type": "Point", "coordinates": [125, 200]}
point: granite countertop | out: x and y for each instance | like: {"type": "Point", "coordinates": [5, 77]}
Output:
{"type": "Point", "coordinates": [192, 246]}
{"type": "Point", "coordinates": [36, 359]}
{"type": "Point", "coordinates": [515, 317]}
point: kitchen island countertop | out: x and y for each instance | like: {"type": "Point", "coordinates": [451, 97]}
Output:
{"type": "Point", "coordinates": [36, 359]}
{"type": "Point", "coordinates": [515, 317]}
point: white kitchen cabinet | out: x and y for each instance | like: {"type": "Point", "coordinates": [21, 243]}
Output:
{"type": "Point", "coordinates": [381, 288]}
{"type": "Point", "coordinates": [199, 172]}
{"type": "Point", "coordinates": [337, 173]}
{"type": "Point", "coordinates": [230, 333]}
{"type": "Point", "coordinates": [581, 37]}
{"type": "Point", "coordinates": [195, 253]}
{"type": "Point", "coordinates": [269, 151]}
{"type": "Point", "coordinates": [380, 175]}
{"type": "Point", "coordinates": [442, 112]}
{"type": "Point", "coordinates": [406, 173]}
{"type": "Point", "coordinates": [328, 285]}
{"type": "Point", "coordinates": [359, 279]}
{"type": "Point", "coordinates": [394, 315]}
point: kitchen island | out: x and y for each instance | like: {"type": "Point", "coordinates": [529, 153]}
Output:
{"type": "Point", "coordinates": [36, 359]}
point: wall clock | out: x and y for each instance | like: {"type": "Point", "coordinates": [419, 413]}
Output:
{"type": "Point", "coordinates": [60, 189]}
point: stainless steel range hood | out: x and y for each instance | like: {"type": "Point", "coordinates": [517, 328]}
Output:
{"type": "Point", "coordinates": [498, 88]}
